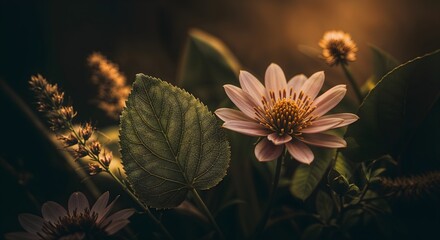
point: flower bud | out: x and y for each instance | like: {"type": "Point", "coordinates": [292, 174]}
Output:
{"type": "Point", "coordinates": [80, 152]}
{"type": "Point", "coordinates": [94, 169]}
{"type": "Point", "coordinates": [107, 158]}
{"type": "Point", "coordinates": [68, 140]}
{"type": "Point", "coordinates": [95, 147]}
{"type": "Point", "coordinates": [86, 131]}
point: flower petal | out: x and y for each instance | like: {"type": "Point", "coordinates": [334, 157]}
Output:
{"type": "Point", "coordinates": [114, 227]}
{"type": "Point", "coordinates": [253, 86]}
{"type": "Point", "coordinates": [275, 80]}
{"type": "Point", "coordinates": [329, 100]}
{"type": "Point", "coordinates": [120, 215]}
{"type": "Point", "coordinates": [227, 114]}
{"type": "Point", "coordinates": [248, 128]}
{"type": "Point", "coordinates": [324, 140]}
{"type": "Point", "coordinates": [21, 236]}
{"type": "Point", "coordinates": [277, 139]}
{"type": "Point", "coordinates": [348, 118]}
{"type": "Point", "coordinates": [313, 85]}
{"type": "Point", "coordinates": [241, 99]}
{"type": "Point", "coordinates": [52, 211]}
{"type": "Point", "coordinates": [106, 210]}
{"type": "Point", "coordinates": [30, 222]}
{"type": "Point", "coordinates": [296, 83]}
{"type": "Point", "coordinates": [322, 124]}
{"type": "Point", "coordinates": [78, 202]}
{"type": "Point", "coordinates": [300, 152]}
{"type": "Point", "coordinates": [100, 204]}
{"type": "Point", "coordinates": [267, 151]}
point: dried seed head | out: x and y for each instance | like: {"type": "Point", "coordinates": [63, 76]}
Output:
{"type": "Point", "coordinates": [338, 48]}
{"type": "Point", "coordinates": [49, 98]}
{"type": "Point", "coordinates": [38, 82]}
{"type": "Point", "coordinates": [95, 147]}
{"type": "Point", "coordinates": [56, 122]}
{"type": "Point", "coordinates": [67, 113]}
{"type": "Point", "coordinates": [86, 131]}
{"type": "Point", "coordinates": [107, 158]}
{"type": "Point", "coordinates": [80, 152]}
{"type": "Point", "coordinates": [57, 99]}
{"type": "Point", "coordinates": [68, 140]}
{"type": "Point", "coordinates": [94, 169]}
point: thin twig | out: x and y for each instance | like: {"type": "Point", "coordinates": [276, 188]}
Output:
{"type": "Point", "coordinates": [353, 83]}
{"type": "Point", "coordinates": [262, 223]}
{"type": "Point", "coordinates": [207, 212]}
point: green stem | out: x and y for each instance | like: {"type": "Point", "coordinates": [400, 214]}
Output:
{"type": "Point", "coordinates": [353, 83]}
{"type": "Point", "coordinates": [207, 212]}
{"type": "Point", "coordinates": [142, 205]}
{"type": "Point", "coordinates": [262, 223]}
{"type": "Point", "coordinates": [366, 186]}
{"type": "Point", "coordinates": [364, 191]}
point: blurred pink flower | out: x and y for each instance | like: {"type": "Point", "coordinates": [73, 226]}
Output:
{"type": "Point", "coordinates": [287, 114]}
{"type": "Point", "coordinates": [78, 222]}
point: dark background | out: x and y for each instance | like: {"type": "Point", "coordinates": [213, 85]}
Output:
{"type": "Point", "coordinates": [54, 38]}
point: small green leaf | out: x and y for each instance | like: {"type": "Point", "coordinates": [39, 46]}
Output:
{"type": "Point", "coordinates": [337, 182]}
{"type": "Point", "coordinates": [312, 232]}
{"type": "Point", "coordinates": [399, 110]}
{"type": "Point", "coordinates": [377, 172]}
{"type": "Point", "coordinates": [207, 65]}
{"type": "Point", "coordinates": [324, 205]}
{"type": "Point", "coordinates": [170, 143]}
{"type": "Point", "coordinates": [344, 166]}
{"type": "Point", "coordinates": [353, 190]}
{"type": "Point", "coordinates": [383, 62]}
{"type": "Point", "coordinates": [306, 177]}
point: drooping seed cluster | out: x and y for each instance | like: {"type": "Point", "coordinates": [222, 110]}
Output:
{"type": "Point", "coordinates": [286, 115]}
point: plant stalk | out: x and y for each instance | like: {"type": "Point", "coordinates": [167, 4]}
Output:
{"type": "Point", "coordinates": [207, 212]}
{"type": "Point", "coordinates": [263, 221]}
{"type": "Point", "coordinates": [353, 83]}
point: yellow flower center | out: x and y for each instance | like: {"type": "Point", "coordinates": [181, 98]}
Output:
{"type": "Point", "coordinates": [287, 115]}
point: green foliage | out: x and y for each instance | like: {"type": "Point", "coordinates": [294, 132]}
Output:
{"type": "Point", "coordinates": [345, 167]}
{"type": "Point", "coordinates": [207, 65]}
{"type": "Point", "coordinates": [306, 177]}
{"type": "Point", "coordinates": [396, 110]}
{"type": "Point", "coordinates": [383, 63]}
{"type": "Point", "coordinates": [170, 143]}
{"type": "Point", "coordinates": [338, 182]}
{"type": "Point", "coordinates": [324, 205]}
{"type": "Point", "coordinates": [313, 232]}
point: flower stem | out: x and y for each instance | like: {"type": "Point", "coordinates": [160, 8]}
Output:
{"type": "Point", "coordinates": [142, 205]}
{"type": "Point", "coordinates": [262, 223]}
{"type": "Point", "coordinates": [353, 83]}
{"type": "Point", "coordinates": [207, 212]}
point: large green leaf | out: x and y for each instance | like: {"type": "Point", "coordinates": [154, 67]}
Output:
{"type": "Point", "coordinates": [383, 63]}
{"type": "Point", "coordinates": [324, 205]}
{"type": "Point", "coordinates": [207, 65]}
{"type": "Point", "coordinates": [396, 111]}
{"type": "Point", "coordinates": [307, 177]}
{"type": "Point", "coordinates": [170, 143]}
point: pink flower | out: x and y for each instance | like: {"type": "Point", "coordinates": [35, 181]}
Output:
{"type": "Point", "coordinates": [286, 114]}
{"type": "Point", "coordinates": [79, 221]}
